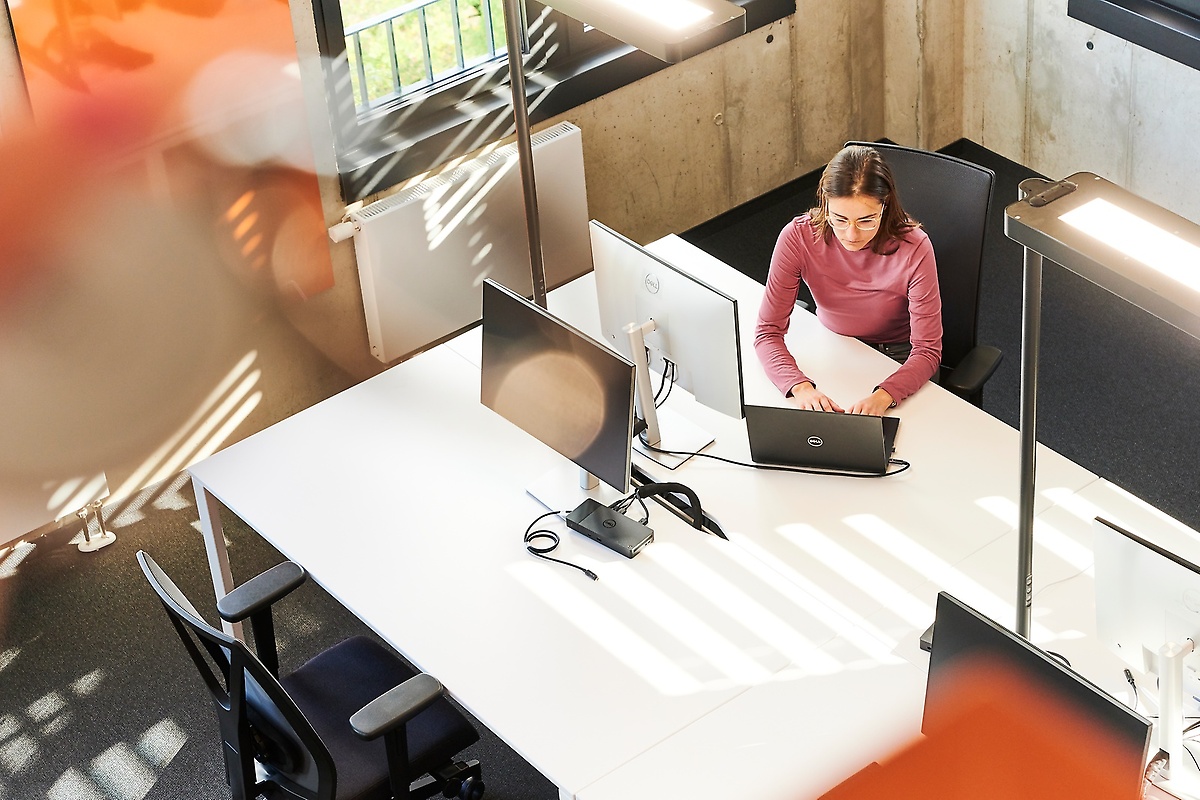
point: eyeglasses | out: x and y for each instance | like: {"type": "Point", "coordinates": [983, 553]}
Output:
{"type": "Point", "coordinates": [863, 224]}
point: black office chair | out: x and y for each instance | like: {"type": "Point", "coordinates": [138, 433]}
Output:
{"type": "Point", "coordinates": [951, 198]}
{"type": "Point", "coordinates": [353, 723]}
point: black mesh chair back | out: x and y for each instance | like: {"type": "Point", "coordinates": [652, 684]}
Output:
{"type": "Point", "coordinates": [353, 723]}
{"type": "Point", "coordinates": [952, 199]}
{"type": "Point", "coordinates": [256, 715]}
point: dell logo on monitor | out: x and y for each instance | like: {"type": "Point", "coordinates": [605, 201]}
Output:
{"type": "Point", "coordinates": [652, 285]}
{"type": "Point", "coordinates": [815, 441]}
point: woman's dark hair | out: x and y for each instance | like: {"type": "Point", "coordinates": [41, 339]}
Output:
{"type": "Point", "coordinates": [861, 170]}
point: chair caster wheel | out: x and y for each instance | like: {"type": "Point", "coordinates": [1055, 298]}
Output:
{"type": "Point", "coordinates": [471, 789]}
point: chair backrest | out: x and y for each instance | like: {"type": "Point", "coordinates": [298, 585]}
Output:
{"type": "Point", "coordinates": [257, 717]}
{"type": "Point", "coordinates": [952, 199]}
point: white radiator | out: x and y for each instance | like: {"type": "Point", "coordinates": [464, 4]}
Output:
{"type": "Point", "coordinates": [424, 252]}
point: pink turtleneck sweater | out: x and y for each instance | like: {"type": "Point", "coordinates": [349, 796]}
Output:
{"type": "Point", "coordinates": [876, 298]}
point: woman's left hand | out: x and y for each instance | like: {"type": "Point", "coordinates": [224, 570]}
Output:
{"type": "Point", "coordinates": [874, 405]}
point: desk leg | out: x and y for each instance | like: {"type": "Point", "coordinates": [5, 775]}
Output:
{"type": "Point", "coordinates": [214, 544]}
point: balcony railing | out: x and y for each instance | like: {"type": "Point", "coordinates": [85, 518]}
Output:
{"type": "Point", "coordinates": [419, 45]}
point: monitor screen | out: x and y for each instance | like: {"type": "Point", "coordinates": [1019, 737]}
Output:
{"type": "Point", "coordinates": [696, 324]}
{"type": "Point", "coordinates": [1146, 597]}
{"type": "Point", "coordinates": [562, 387]}
{"type": "Point", "coordinates": [962, 636]}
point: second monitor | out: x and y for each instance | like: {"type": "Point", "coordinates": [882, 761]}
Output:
{"type": "Point", "coordinates": [689, 330]}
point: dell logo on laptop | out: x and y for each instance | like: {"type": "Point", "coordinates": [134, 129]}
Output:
{"type": "Point", "coordinates": [815, 441]}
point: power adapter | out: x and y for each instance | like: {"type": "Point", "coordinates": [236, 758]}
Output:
{"type": "Point", "coordinates": [610, 528]}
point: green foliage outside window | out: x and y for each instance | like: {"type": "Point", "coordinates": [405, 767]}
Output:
{"type": "Point", "coordinates": [409, 51]}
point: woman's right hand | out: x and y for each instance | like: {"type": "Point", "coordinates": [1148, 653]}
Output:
{"type": "Point", "coordinates": [806, 396]}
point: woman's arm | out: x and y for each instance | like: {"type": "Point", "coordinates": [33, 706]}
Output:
{"type": "Point", "coordinates": [775, 312]}
{"type": "Point", "coordinates": [925, 327]}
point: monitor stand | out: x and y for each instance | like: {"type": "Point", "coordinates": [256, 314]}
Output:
{"type": "Point", "coordinates": [564, 488]}
{"type": "Point", "coordinates": [665, 429]}
{"type": "Point", "coordinates": [1181, 777]}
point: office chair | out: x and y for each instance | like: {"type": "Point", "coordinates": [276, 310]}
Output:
{"type": "Point", "coordinates": [951, 198]}
{"type": "Point", "coordinates": [353, 723]}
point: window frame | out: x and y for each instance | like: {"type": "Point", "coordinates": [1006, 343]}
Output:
{"type": "Point", "coordinates": [388, 145]}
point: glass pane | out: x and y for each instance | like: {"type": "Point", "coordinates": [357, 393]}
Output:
{"type": "Point", "coordinates": [443, 46]}
{"type": "Point", "coordinates": [376, 61]}
{"type": "Point", "coordinates": [473, 19]}
{"type": "Point", "coordinates": [410, 51]}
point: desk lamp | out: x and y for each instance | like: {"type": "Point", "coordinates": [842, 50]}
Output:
{"type": "Point", "coordinates": [1135, 249]}
{"type": "Point", "coordinates": [670, 30]}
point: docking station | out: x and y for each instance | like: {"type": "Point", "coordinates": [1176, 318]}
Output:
{"type": "Point", "coordinates": [610, 528]}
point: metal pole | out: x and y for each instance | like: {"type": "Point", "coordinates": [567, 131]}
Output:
{"type": "Point", "coordinates": [1031, 331]}
{"type": "Point", "coordinates": [516, 73]}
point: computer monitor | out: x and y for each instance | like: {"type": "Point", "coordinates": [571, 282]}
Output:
{"type": "Point", "coordinates": [681, 320]}
{"type": "Point", "coordinates": [569, 391]}
{"type": "Point", "coordinates": [1148, 613]}
{"type": "Point", "coordinates": [964, 638]}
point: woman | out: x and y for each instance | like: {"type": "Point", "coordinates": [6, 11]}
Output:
{"type": "Point", "coordinates": [871, 271]}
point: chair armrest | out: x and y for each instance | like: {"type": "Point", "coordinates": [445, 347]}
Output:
{"type": "Point", "coordinates": [973, 371]}
{"type": "Point", "coordinates": [260, 592]}
{"type": "Point", "coordinates": [396, 706]}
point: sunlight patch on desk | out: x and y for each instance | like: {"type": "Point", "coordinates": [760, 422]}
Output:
{"type": "Point", "coordinates": [822, 605]}
{"type": "Point", "coordinates": [613, 636]}
{"type": "Point", "coordinates": [1062, 545]}
{"type": "Point", "coordinates": [1046, 535]}
{"type": "Point", "coordinates": [859, 573]}
{"type": "Point", "coordinates": [901, 546]}
{"type": "Point", "coordinates": [743, 608]}
{"type": "Point", "coordinates": [1088, 510]}
{"type": "Point", "coordinates": [1077, 506]}
{"type": "Point", "coordinates": [682, 624]}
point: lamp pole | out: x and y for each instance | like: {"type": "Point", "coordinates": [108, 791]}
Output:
{"type": "Point", "coordinates": [517, 46]}
{"type": "Point", "coordinates": [1128, 246]}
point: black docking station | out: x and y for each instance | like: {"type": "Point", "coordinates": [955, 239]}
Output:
{"type": "Point", "coordinates": [610, 528]}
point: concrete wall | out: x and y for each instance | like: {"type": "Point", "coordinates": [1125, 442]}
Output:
{"type": "Point", "coordinates": [1062, 97]}
{"type": "Point", "coordinates": [923, 57]}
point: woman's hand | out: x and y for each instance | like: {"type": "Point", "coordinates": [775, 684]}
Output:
{"type": "Point", "coordinates": [874, 405]}
{"type": "Point", "coordinates": [806, 396]}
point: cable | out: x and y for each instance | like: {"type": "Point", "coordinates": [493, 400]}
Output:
{"type": "Point", "coordinates": [669, 370]}
{"type": "Point", "coordinates": [624, 503]}
{"type": "Point", "coordinates": [540, 551]}
{"type": "Point", "coordinates": [904, 465]}
{"type": "Point", "coordinates": [1133, 684]}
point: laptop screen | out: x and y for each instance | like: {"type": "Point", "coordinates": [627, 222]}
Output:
{"type": "Point", "coordinates": [820, 439]}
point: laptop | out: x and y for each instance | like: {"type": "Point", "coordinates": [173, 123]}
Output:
{"type": "Point", "coordinates": [820, 439]}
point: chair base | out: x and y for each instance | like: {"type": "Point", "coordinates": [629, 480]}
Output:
{"type": "Point", "coordinates": [461, 779]}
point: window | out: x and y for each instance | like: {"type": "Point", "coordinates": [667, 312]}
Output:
{"type": "Point", "coordinates": [413, 84]}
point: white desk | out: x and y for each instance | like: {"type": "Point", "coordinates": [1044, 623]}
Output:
{"type": "Point", "coordinates": [404, 494]}
{"type": "Point", "coordinates": [388, 493]}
